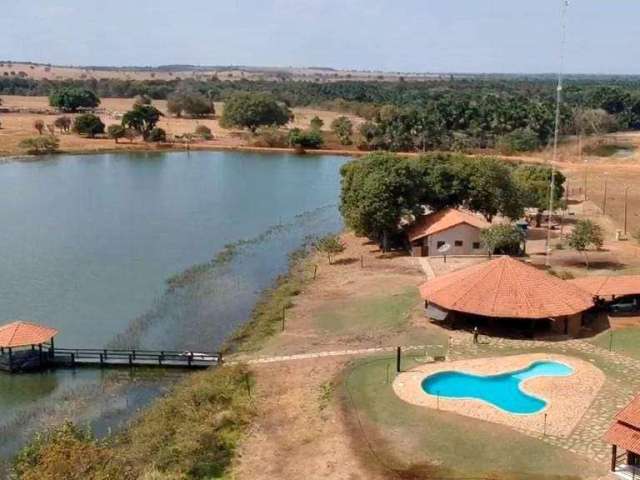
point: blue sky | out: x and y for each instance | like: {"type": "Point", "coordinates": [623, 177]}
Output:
{"type": "Point", "coordinates": [395, 35]}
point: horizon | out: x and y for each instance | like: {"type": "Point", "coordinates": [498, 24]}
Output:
{"type": "Point", "coordinates": [461, 37]}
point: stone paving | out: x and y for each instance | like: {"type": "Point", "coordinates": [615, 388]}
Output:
{"type": "Point", "coordinates": [622, 384]}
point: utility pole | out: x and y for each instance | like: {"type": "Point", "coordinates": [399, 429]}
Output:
{"type": "Point", "coordinates": [556, 131]}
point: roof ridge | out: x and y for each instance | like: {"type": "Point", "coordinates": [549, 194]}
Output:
{"type": "Point", "coordinates": [526, 297]}
{"type": "Point", "coordinates": [487, 272]}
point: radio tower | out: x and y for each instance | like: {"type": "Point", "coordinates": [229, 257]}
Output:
{"type": "Point", "coordinates": [556, 132]}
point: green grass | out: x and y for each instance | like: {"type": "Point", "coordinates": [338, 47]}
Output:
{"type": "Point", "coordinates": [625, 341]}
{"type": "Point", "coordinates": [380, 312]}
{"type": "Point", "coordinates": [468, 447]}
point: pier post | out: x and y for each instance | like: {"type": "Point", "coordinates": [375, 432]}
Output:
{"type": "Point", "coordinates": [105, 354]}
{"type": "Point", "coordinates": [130, 360]}
{"type": "Point", "coordinates": [73, 360]}
{"type": "Point", "coordinates": [101, 361]}
{"type": "Point", "coordinates": [134, 354]}
{"type": "Point", "coordinates": [160, 358]}
{"type": "Point", "coordinates": [190, 358]}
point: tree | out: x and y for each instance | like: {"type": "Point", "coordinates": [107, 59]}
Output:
{"type": "Point", "coordinates": [309, 139]}
{"type": "Point", "coordinates": [534, 184]}
{"type": "Point", "coordinates": [141, 99]}
{"type": "Point", "coordinates": [331, 245]}
{"type": "Point", "coordinates": [88, 124]}
{"type": "Point", "coordinates": [377, 192]}
{"type": "Point", "coordinates": [157, 135]}
{"type": "Point", "coordinates": [143, 119]}
{"type": "Point", "coordinates": [116, 132]}
{"type": "Point", "coordinates": [70, 99]}
{"type": "Point", "coordinates": [586, 234]}
{"type": "Point", "coordinates": [39, 126]}
{"type": "Point", "coordinates": [40, 145]}
{"type": "Point", "coordinates": [252, 110]}
{"type": "Point", "coordinates": [191, 103]}
{"type": "Point", "coordinates": [505, 239]}
{"type": "Point", "coordinates": [491, 189]}
{"type": "Point", "coordinates": [316, 123]}
{"type": "Point", "coordinates": [519, 140]}
{"type": "Point", "coordinates": [63, 123]}
{"type": "Point", "coordinates": [343, 129]}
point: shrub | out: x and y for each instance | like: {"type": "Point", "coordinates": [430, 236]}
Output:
{"type": "Point", "coordinates": [519, 140]}
{"type": "Point", "coordinates": [204, 132]}
{"type": "Point", "coordinates": [63, 123]}
{"type": "Point", "coordinates": [331, 245]}
{"type": "Point", "coordinates": [316, 123]}
{"type": "Point", "coordinates": [308, 139]}
{"type": "Point", "coordinates": [39, 126]}
{"type": "Point", "coordinates": [116, 132]}
{"type": "Point", "coordinates": [88, 124]}
{"type": "Point", "coordinates": [270, 137]}
{"type": "Point", "coordinates": [40, 145]}
{"type": "Point", "coordinates": [157, 135]}
{"type": "Point", "coordinates": [343, 128]}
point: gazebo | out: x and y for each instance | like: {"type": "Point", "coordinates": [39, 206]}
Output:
{"type": "Point", "coordinates": [21, 346]}
{"type": "Point", "coordinates": [624, 433]}
{"type": "Point", "coordinates": [507, 289]}
{"type": "Point", "coordinates": [608, 288]}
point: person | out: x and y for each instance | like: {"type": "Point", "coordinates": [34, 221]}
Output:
{"type": "Point", "coordinates": [475, 334]}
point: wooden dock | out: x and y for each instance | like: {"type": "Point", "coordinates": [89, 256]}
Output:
{"type": "Point", "coordinates": [79, 357]}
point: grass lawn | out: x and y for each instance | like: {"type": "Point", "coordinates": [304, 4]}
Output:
{"type": "Point", "coordinates": [409, 437]}
{"type": "Point", "coordinates": [380, 312]}
{"type": "Point", "coordinates": [625, 341]}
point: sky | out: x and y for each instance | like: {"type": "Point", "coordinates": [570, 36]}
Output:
{"type": "Point", "coordinates": [490, 36]}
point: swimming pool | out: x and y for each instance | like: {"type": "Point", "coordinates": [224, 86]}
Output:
{"type": "Point", "coordinates": [502, 391]}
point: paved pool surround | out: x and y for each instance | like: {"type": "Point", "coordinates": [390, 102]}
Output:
{"type": "Point", "coordinates": [567, 397]}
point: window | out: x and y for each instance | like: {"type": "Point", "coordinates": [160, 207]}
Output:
{"type": "Point", "coordinates": [476, 245]}
{"type": "Point", "coordinates": [440, 243]}
{"type": "Point", "coordinates": [458, 243]}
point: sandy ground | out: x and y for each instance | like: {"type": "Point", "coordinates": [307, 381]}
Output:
{"type": "Point", "coordinates": [567, 397]}
{"type": "Point", "coordinates": [20, 125]}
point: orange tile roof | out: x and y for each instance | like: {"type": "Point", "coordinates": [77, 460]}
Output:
{"type": "Point", "coordinates": [506, 288]}
{"type": "Point", "coordinates": [625, 432]}
{"type": "Point", "coordinates": [605, 286]}
{"type": "Point", "coordinates": [443, 220]}
{"type": "Point", "coordinates": [24, 334]}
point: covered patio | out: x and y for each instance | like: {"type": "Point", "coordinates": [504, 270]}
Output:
{"type": "Point", "coordinates": [508, 292]}
{"type": "Point", "coordinates": [25, 346]}
{"type": "Point", "coordinates": [609, 288]}
{"type": "Point", "coordinates": [624, 435]}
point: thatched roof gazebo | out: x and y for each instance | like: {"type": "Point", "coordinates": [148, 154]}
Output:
{"type": "Point", "coordinates": [21, 345]}
{"type": "Point", "coordinates": [510, 289]}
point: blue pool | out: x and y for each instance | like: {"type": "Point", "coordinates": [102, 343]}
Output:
{"type": "Point", "coordinates": [502, 391]}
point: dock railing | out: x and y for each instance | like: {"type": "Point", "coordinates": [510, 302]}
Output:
{"type": "Point", "coordinates": [113, 357]}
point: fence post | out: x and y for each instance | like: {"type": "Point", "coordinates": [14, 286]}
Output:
{"type": "Point", "coordinates": [134, 354]}
{"type": "Point", "coordinates": [105, 354]}
{"type": "Point", "coordinates": [220, 361]}
{"type": "Point", "coordinates": [315, 271]}
{"type": "Point", "coordinates": [283, 315]}
{"type": "Point", "coordinates": [160, 358]}
{"type": "Point", "coordinates": [130, 360]}
{"type": "Point", "coordinates": [101, 360]}
{"type": "Point", "coordinates": [398, 359]}
{"type": "Point", "coordinates": [190, 358]}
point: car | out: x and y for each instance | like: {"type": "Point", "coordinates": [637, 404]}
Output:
{"type": "Point", "coordinates": [625, 305]}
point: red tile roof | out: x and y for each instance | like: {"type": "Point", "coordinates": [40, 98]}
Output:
{"type": "Point", "coordinates": [24, 334]}
{"type": "Point", "coordinates": [625, 432]}
{"type": "Point", "coordinates": [443, 220]}
{"type": "Point", "coordinates": [506, 288]}
{"type": "Point", "coordinates": [603, 286]}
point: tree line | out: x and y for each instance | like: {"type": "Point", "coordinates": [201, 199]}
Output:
{"type": "Point", "coordinates": [382, 191]}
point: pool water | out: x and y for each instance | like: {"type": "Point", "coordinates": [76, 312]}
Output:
{"type": "Point", "coordinates": [502, 391]}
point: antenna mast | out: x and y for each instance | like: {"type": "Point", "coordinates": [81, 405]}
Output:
{"type": "Point", "coordinates": [556, 133]}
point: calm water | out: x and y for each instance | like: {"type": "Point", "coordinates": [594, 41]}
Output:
{"type": "Point", "coordinates": [88, 243]}
{"type": "Point", "coordinates": [502, 391]}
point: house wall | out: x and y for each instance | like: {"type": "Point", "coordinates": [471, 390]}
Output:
{"type": "Point", "coordinates": [465, 233]}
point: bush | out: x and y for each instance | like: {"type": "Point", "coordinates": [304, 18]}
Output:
{"type": "Point", "coordinates": [40, 145]}
{"type": "Point", "coordinates": [71, 99]}
{"type": "Point", "coordinates": [343, 128]}
{"type": "Point", "coordinates": [88, 124]}
{"type": "Point", "coordinates": [39, 126]}
{"type": "Point", "coordinates": [331, 245]}
{"type": "Point", "coordinates": [116, 132]}
{"type": "Point", "coordinates": [519, 140]}
{"type": "Point", "coordinates": [157, 135]}
{"type": "Point", "coordinates": [308, 139]}
{"type": "Point", "coordinates": [316, 123]}
{"type": "Point", "coordinates": [503, 239]}
{"type": "Point", "coordinates": [204, 132]}
{"type": "Point", "coordinates": [270, 137]}
{"type": "Point", "coordinates": [63, 123]}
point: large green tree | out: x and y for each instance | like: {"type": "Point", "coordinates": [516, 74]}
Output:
{"type": "Point", "coordinates": [252, 110]}
{"type": "Point", "coordinates": [71, 99]}
{"type": "Point", "coordinates": [88, 124]}
{"type": "Point", "coordinates": [377, 192]}
{"type": "Point", "coordinates": [534, 184]}
{"type": "Point", "coordinates": [142, 119]}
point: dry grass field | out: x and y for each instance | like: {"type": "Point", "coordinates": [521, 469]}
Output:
{"type": "Point", "coordinates": [18, 126]}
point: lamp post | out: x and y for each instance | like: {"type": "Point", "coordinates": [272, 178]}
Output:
{"type": "Point", "coordinates": [626, 204]}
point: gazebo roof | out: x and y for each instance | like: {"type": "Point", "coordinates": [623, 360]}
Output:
{"type": "Point", "coordinates": [625, 431]}
{"type": "Point", "coordinates": [24, 334]}
{"type": "Point", "coordinates": [506, 288]}
{"type": "Point", "coordinates": [609, 286]}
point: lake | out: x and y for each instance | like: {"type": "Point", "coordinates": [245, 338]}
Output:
{"type": "Point", "coordinates": [89, 241]}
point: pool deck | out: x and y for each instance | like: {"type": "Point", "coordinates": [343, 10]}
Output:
{"type": "Point", "coordinates": [568, 398]}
